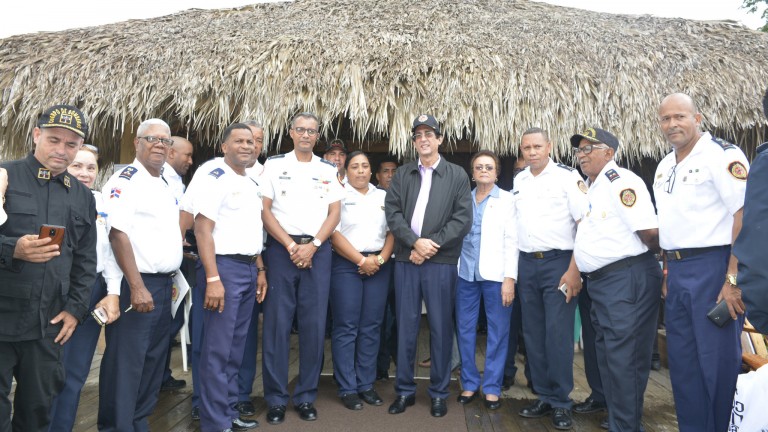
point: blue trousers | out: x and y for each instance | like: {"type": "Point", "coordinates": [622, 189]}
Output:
{"type": "Point", "coordinates": [704, 359]}
{"type": "Point", "coordinates": [468, 295]}
{"type": "Point", "coordinates": [303, 292]}
{"type": "Point", "coordinates": [357, 302]}
{"type": "Point", "coordinates": [588, 338]}
{"type": "Point", "coordinates": [625, 306]}
{"type": "Point", "coordinates": [132, 366]}
{"type": "Point", "coordinates": [77, 358]}
{"type": "Point", "coordinates": [224, 343]}
{"type": "Point", "coordinates": [247, 373]}
{"type": "Point", "coordinates": [548, 327]}
{"type": "Point", "coordinates": [388, 341]}
{"type": "Point", "coordinates": [436, 284]}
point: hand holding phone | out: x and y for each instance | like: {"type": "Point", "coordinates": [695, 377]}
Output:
{"type": "Point", "coordinates": [563, 289]}
{"type": "Point", "coordinates": [55, 232]}
{"type": "Point", "coordinates": [100, 315]}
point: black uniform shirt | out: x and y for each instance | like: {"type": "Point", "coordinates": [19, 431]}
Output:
{"type": "Point", "coordinates": [31, 294]}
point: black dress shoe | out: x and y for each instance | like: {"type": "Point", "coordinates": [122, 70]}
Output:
{"type": "Point", "coordinates": [240, 424]}
{"type": "Point", "coordinates": [536, 410]}
{"type": "Point", "coordinates": [382, 375]}
{"type": "Point", "coordinates": [561, 419]}
{"type": "Point", "coordinates": [276, 414]}
{"type": "Point", "coordinates": [307, 411]}
{"type": "Point", "coordinates": [604, 423]}
{"type": "Point", "coordinates": [492, 405]}
{"type": "Point", "coordinates": [401, 403]}
{"type": "Point", "coordinates": [245, 408]}
{"type": "Point", "coordinates": [352, 401]}
{"type": "Point", "coordinates": [589, 406]}
{"type": "Point", "coordinates": [439, 408]}
{"type": "Point", "coordinates": [172, 384]}
{"type": "Point", "coordinates": [508, 382]}
{"type": "Point", "coordinates": [195, 413]}
{"type": "Point", "coordinates": [371, 397]}
{"type": "Point", "coordinates": [466, 399]}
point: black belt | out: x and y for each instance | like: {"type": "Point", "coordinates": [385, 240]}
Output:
{"type": "Point", "coordinates": [618, 265]}
{"type": "Point", "coordinates": [544, 254]}
{"type": "Point", "coordinates": [378, 252]}
{"type": "Point", "coordinates": [301, 239]}
{"type": "Point", "coordinates": [159, 275]}
{"type": "Point", "coordinates": [250, 259]}
{"type": "Point", "coordinates": [674, 255]}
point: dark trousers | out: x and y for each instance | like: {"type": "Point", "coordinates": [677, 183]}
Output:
{"type": "Point", "coordinates": [36, 366]}
{"type": "Point", "coordinates": [468, 301]}
{"type": "Point", "coordinates": [78, 355]}
{"type": "Point", "coordinates": [388, 338]}
{"type": "Point", "coordinates": [625, 306]}
{"type": "Point", "coordinates": [224, 343]}
{"type": "Point", "coordinates": [436, 284]}
{"type": "Point", "coordinates": [247, 373]}
{"type": "Point", "coordinates": [704, 359]}
{"type": "Point", "coordinates": [196, 330]}
{"type": "Point", "coordinates": [588, 338]}
{"type": "Point", "coordinates": [357, 302]}
{"type": "Point", "coordinates": [516, 339]}
{"type": "Point", "coordinates": [548, 327]}
{"type": "Point", "coordinates": [132, 366]}
{"type": "Point", "coordinates": [303, 292]}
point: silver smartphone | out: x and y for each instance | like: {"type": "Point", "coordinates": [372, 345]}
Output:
{"type": "Point", "coordinates": [564, 289]}
{"type": "Point", "coordinates": [100, 315]}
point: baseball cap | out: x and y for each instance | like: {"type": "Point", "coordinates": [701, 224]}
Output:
{"type": "Point", "coordinates": [596, 135]}
{"type": "Point", "coordinates": [336, 144]}
{"type": "Point", "coordinates": [428, 120]}
{"type": "Point", "coordinates": [64, 116]}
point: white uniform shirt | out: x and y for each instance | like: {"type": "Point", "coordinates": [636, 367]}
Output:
{"type": "Point", "coordinates": [187, 202]}
{"type": "Point", "coordinates": [300, 192]}
{"type": "Point", "coordinates": [255, 171]}
{"type": "Point", "coordinates": [548, 207]}
{"type": "Point", "coordinates": [174, 181]}
{"type": "Point", "coordinates": [103, 247]}
{"type": "Point", "coordinates": [619, 206]}
{"type": "Point", "coordinates": [363, 222]}
{"type": "Point", "coordinates": [233, 203]}
{"type": "Point", "coordinates": [144, 208]}
{"type": "Point", "coordinates": [707, 188]}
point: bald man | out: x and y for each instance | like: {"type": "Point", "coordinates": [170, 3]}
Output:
{"type": "Point", "coordinates": [176, 166]}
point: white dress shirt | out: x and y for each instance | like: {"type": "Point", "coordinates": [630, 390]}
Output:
{"type": "Point", "coordinates": [363, 222]}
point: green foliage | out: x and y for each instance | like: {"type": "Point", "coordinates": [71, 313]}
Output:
{"type": "Point", "coordinates": [753, 5]}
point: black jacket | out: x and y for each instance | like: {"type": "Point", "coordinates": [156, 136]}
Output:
{"type": "Point", "coordinates": [31, 294]}
{"type": "Point", "coordinates": [448, 217]}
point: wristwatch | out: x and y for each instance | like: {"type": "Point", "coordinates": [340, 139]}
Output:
{"type": "Point", "coordinates": [731, 279]}
{"type": "Point", "coordinates": [316, 241]}
{"type": "Point", "coordinates": [380, 259]}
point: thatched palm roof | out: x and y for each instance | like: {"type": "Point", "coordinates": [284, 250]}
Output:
{"type": "Point", "coordinates": [488, 68]}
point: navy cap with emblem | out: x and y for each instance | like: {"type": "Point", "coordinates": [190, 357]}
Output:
{"type": "Point", "coordinates": [427, 120]}
{"type": "Point", "coordinates": [336, 144]}
{"type": "Point", "coordinates": [596, 135]}
{"type": "Point", "coordinates": [64, 116]}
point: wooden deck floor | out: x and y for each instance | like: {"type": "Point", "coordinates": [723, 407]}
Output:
{"type": "Point", "coordinates": [174, 408]}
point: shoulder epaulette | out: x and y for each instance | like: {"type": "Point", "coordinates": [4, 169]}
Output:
{"type": "Point", "coordinates": [128, 172]}
{"type": "Point", "coordinates": [277, 156]}
{"type": "Point", "coordinates": [612, 175]}
{"type": "Point", "coordinates": [723, 143]}
{"type": "Point", "coordinates": [328, 162]}
{"type": "Point", "coordinates": [566, 167]}
{"type": "Point", "coordinates": [218, 172]}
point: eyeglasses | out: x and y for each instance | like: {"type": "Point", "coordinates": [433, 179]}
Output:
{"type": "Point", "coordinates": [486, 167]}
{"type": "Point", "coordinates": [420, 135]}
{"type": "Point", "coordinates": [587, 149]}
{"type": "Point", "coordinates": [154, 140]}
{"type": "Point", "coordinates": [670, 183]}
{"type": "Point", "coordinates": [301, 131]}
{"type": "Point", "coordinates": [92, 148]}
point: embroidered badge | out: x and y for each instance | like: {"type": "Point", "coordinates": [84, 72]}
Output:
{"type": "Point", "coordinates": [67, 183]}
{"type": "Point", "coordinates": [737, 170]}
{"type": "Point", "coordinates": [628, 197]}
{"type": "Point", "coordinates": [216, 173]}
{"type": "Point", "coordinates": [582, 186]}
{"type": "Point", "coordinates": [115, 193]}
{"type": "Point", "coordinates": [128, 172]}
{"type": "Point", "coordinates": [612, 175]}
{"type": "Point", "coordinates": [44, 173]}
{"type": "Point", "coordinates": [423, 118]}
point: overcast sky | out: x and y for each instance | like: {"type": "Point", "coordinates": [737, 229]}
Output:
{"type": "Point", "coordinates": [20, 17]}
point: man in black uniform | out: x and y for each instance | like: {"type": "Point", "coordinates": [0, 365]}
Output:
{"type": "Point", "coordinates": [44, 288]}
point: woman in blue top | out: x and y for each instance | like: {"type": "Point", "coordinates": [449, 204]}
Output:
{"type": "Point", "coordinates": [487, 270]}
